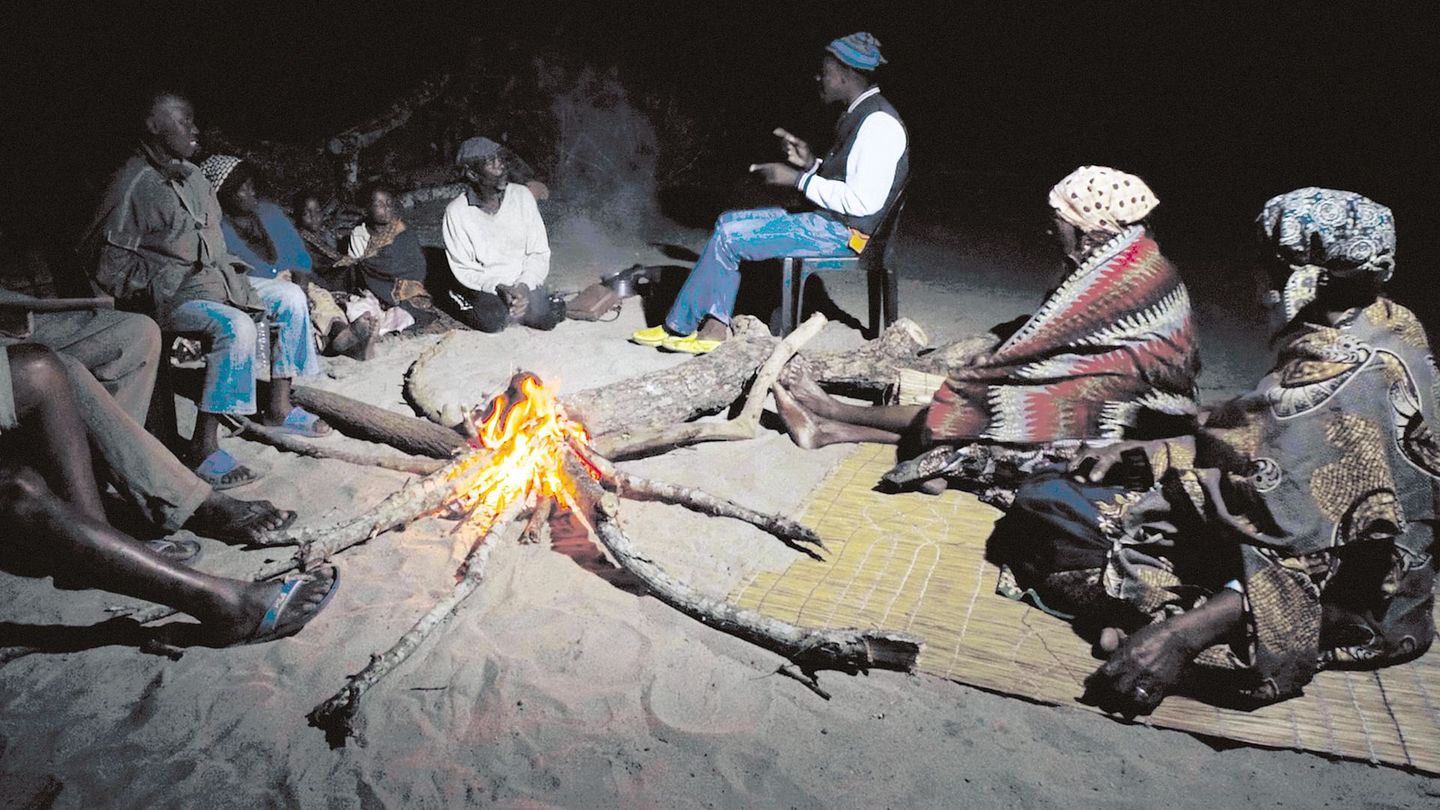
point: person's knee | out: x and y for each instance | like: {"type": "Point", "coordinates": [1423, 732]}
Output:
{"type": "Point", "coordinates": [482, 312]}
{"type": "Point", "coordinates": [291, 300]}
{"type": "Point", "coordinates": [37, 368]}
{"type": "Point", "coordinates": [21, 486]}
{"type": "Point", "coordinates": [491, 323]}
{"type": "Point", "coordinates": [141, 337]}
{"type": "Point", "coordinates": [233, 328]}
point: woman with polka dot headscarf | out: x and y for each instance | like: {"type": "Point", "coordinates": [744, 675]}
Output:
{"type": "Point", "coordinates": [1109, 354]}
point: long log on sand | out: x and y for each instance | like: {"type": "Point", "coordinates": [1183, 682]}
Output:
{"type": "Point", "coordinates": [629, 442]}
{"type": "Point", "coordinates": [848, 649]}
{"type": "Point", "coordinates": [703, 386]}
{"type": "Point", "coordinates": [365, 421]}
{"type": "Point", "coordinates": [336, 715]}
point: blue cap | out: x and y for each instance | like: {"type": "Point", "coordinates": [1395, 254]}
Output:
{"type": "Point", "coordinates": [860, 50]}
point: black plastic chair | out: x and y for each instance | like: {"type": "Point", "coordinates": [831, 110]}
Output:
{"type": "Point", "coordinates": [874, 260]}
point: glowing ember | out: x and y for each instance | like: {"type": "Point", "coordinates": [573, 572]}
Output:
{"type": "Point", "coordinates": [526, 432]}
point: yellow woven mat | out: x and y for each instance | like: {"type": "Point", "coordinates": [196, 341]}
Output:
{"type": "Point", "coordinates": [916, 563]}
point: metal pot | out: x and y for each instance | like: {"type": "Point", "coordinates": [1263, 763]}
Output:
{"type": "Point", "coordinates": [627, 282]}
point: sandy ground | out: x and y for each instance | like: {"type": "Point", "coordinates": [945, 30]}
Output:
{"type": "Point", "coordinates": [553, 687]}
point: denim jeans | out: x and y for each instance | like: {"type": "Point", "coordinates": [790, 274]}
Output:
{"type": "Point", "coordinates": [231, 333]}
{"type": "Point", "coordinates": [752, 234]}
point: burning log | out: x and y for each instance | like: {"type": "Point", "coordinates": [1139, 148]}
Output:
{"type": "Point", "coordinates": [526, 433]}
{"type": "Point", "coordinates": [538, 523]}
{"type": "Point", "coordinates": [336, 715]}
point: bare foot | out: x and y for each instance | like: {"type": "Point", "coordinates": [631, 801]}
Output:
{"type": "Point", "coordinates": [1110, 639]}
{"type": "Point", "coordinates": [225, 518]}
{"type": "Point", "coordinates": [802, 426]}
{"type": "Point", "coordinates": [935, 486]}
{"type": "Point", "coordinates": [795, 376]}
{"type": "Point", "coordinates": [241, 621]}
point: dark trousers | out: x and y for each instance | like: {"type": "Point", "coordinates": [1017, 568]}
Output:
{"type": "Point", "coordinates": [486, 312]}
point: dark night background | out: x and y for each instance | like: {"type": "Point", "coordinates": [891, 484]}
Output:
{"type": "Point", "coordinates": [1218, 106]}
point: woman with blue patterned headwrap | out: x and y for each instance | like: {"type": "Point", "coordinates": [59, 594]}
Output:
{"type": "Point", "coordinates": [1295, 531]}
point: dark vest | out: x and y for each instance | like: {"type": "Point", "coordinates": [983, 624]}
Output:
{"type": "Point", "coordinates": [833, 167]}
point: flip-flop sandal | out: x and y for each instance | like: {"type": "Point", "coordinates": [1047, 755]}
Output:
{"type": "Point", "coordinates": [244, 531]}
{"type": "Point", "coordinates": [689, 344]}
{"type": "Point", "coordinates": [289, 587]}
{"type": "Point", "coordinates": [174, 549]}
{"type": "Point", "coordinates": [300, 422]}
{"type": "Point", "coordinates": [223, 471]}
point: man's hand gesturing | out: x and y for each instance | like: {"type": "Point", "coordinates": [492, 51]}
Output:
{"type": "Point", "coordinates": [797, 152]}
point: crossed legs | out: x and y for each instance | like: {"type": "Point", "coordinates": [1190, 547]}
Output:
{"type": "Point", "coordinates": [56, 525]}
{"type": "Point", "coordinates": [814, 419]}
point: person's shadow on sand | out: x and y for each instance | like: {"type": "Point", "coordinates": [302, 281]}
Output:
{"type": "Point", "coordinates": [65, 638]}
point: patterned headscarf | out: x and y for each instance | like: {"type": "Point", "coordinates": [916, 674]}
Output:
{"type": "Point", "coordinates": [218, 167]}
{"type": "Point", "coordinates": [1319, 231]}
{"type": "Point", "coordinates": [1343, 232]}
{"type": "Point", "coordinates": [1099, 198]}
{"type": "Point", "coordinates": [860, 50]}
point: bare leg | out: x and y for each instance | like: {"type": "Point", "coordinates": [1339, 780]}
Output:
{"type": "Point", "coordinates": [45, 404]}
{"type": "Point", "coordinates": [279, 402]}
{"type": "Point", "coordinates": [279, 405]}
{"type": "Point", "coordinates": [811, 431]}
{"type": "Point", "coordinates": [808, 393]}
{"type": "Point", "coordinates": [205, 439]}
{"type": "Point", "coordinates": [712, 329]}
{"type": "Point", "coordinates": [48, 532]}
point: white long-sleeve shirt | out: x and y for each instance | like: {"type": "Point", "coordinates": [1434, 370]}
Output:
{"type": "Point", "coordinates": [869, 169]}
{"type": "Point", "coordinates": [507, 247]}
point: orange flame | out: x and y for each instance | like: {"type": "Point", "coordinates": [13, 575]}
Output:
{"type": "Point", "coordinates": [527, 433]}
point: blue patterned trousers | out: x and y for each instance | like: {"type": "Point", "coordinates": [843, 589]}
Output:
{"type": "Point", "coordinates": [753, 234]}
{"type": "Point", "coordinates": [231, 335]}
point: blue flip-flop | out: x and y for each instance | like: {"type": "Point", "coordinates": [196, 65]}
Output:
{"type": "Point", "coordinates": [301, 422]}
{"type": "Point", "coordinates": [289, 587]}
{"type": "Point", "coordinates": [223, 471]}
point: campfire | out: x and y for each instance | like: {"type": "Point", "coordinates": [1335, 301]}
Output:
{"type": "Point", "coordinates": [529, 456]}
{"type": "Point", "coordinates": [523, 436]}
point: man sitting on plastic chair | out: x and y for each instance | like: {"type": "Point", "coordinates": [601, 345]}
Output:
{"type": "Point", "coordinates": [851, 188]}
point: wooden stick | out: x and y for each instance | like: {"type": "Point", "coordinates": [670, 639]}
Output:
{"type": "Point", "coordinates": [293, 444]}
{"type": "Point", "coordinates": [849, 650]}
{"type": "Point", "coordinates": [744, 426]}
{"type": "Point", "coordinates": [336, 716]}
{"type": "Point", "coordinates": [539, 520]}
{"type": "Point", "coordinates": [697, 500]}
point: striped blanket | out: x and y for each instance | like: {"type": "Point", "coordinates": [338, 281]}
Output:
{"type": "Point", "coordinates": [1114, 341]}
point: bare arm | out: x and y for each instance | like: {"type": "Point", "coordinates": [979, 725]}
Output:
{"type": "Point", "coordinates": [1150, 662]}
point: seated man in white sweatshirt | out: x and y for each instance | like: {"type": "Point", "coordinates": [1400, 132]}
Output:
{"type": "Point", "coordinates": [497, 247]}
